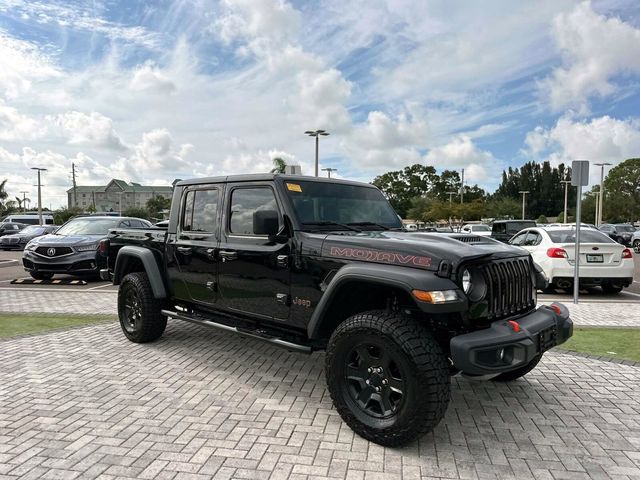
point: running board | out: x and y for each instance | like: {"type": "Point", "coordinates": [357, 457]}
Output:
{"type": "Point", "coordinates": [209, 323]}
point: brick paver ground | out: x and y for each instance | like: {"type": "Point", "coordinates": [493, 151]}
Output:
{"type": "Point", "coordinates": [104, 302]}
{"type": "Point", "coordinates": [86, 403]}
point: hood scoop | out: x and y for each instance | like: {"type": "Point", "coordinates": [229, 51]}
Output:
{"type": "Point", "coordinates": [469, 239]}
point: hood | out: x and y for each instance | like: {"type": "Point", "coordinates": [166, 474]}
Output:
{"type": "Point", "coordinates": [66, 240]}
{"type": "Point", "coordinates": [415, 249]}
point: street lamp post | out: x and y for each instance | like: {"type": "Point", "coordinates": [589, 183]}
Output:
{"type": "Point", "coordinates": [24, 201]}
{"type": "Point", "coordinates": [329, 170]}
{"type": "Point", "coordinates": [451, 194]}
{"type": "Point", "coordinates": [316, 133]}
{"type": "Point", "coordinates": [39, 193]}
{"type": "Point", "coordinates": [524, 196]}
{"type": "Point", "coordinates": [566, 187]}
{"type": "Point", "coordinates": [600, 203]}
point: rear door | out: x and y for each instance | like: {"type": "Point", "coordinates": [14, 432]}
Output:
{"type": "Point", "coordinates": [192, 251]}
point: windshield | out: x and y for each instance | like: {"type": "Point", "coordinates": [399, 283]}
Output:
{"type": "Point", "coordinates": [625, 228]}
{"type": "Point", "coordinates": [480, 228]}
{"type": "Point", "coordinates": [84, 226]}
{"type": "Point", "coordinates": [321, 202]}
{"type": "Point", "coordinates": [33, 230]}
{"type": "Point", "coordinates": [586, 236]}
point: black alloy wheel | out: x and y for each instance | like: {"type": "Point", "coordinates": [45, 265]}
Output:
{"type": "Point", "coordinates": [375, 379]}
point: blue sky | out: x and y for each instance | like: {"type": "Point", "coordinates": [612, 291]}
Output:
{"type": "Point", "coordinates": [152, 91]}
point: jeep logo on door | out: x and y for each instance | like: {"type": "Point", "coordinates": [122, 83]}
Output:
{"type": "Point", "coordinates": [51, 252]}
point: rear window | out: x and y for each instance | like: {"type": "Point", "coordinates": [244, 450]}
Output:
{"type": "Point", "coordinates": [515, 227]}
{"type": "Point", "coordinates": [625, 228]}
{"type": "Point", "coordinates": [586, 236]}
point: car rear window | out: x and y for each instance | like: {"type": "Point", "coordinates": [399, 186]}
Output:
{"type": "Point", "coordinates": [586, 236]}
{"type": "Point", "coordinates": [625, 228]}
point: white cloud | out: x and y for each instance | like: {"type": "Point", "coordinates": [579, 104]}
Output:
{"type": "Point", "coordinates": [602, 139]}
{"type": "Point", "coordinates": [14, 125]}
{"type": "Point", "coordinates": [596, 49]}
{"type": "Point", "coordinates": [149, 77]}
{"type": "Point", "coordinates": [156, 152]}
{"type": "Point", "coordinates": [21, 64]}
{"type": "Point", "coordinates": [94, 129]}
{"type": "Point", "coordinates": [480, 166]}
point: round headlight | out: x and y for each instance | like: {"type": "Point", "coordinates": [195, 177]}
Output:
{"type": "Point", "coordinates": [466, 281]}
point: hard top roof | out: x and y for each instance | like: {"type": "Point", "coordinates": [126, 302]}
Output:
{"type": "Point", "coordinates": [265, 177]}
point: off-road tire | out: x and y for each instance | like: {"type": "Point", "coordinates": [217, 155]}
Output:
{"type": "Point", "coordinates": [41, 275]}
{"type": "Point", "coordinates": [138, 310]}
{"type": "Point", "coordinates": [611, 289]}
{"type": "Point", "coordinates": [518, 372]}
{"type": "Point", "coordinates": [426, 382]}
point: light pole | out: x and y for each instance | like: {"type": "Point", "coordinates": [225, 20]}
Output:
{"type": "Point", "coordinates": [329, 170]}
{"type": "Point", "coordinates": [524, 196]}
{"type": "Point", "coordinates": [462, 187]}
{"type": "Point", "coordinates": [451, 194]}
{"type": "Point", "coordinates": [600, 203]}
{"type": "Point", "coordinates": [39, 193]}
{"type": "Point", "coordinates": [316, 133]}
{"type": "Point", "coordinates": [120, 202]}
{"type": "Point", "coordinates": [24, 201]}
{"type": "Point", "coordinates": [566, 187]}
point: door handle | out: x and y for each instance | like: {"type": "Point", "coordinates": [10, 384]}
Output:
{"type": "Point", "coordinates": [228, 255]}
{"type": "Point", "coordinates": [184, 250]}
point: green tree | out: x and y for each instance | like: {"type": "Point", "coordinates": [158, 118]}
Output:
{"type": "Point", "coordinates": [542, 219]}
{"type": "Point", "coordinates": [622, 192]}
{"type": "Point", "coordinates": [402, 186]}
{"type": "Point", "coordinates": [136, 212]}
{"type": "Point", "coordinates": [63, 214]}
{"type": "Point", "coordinates": [279, 165]}
{"type": "Point", "coordinates": [500, 208]}
{"type": "Point", "coordinates": [3, 196]}
{"type": "Point", "coordinates": [155, 205]}
{"type": "Point", "coordinates": [91, 208]}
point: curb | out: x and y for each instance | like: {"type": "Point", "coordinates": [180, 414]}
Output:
{"type": "Point", "coordinates": [602, 358]}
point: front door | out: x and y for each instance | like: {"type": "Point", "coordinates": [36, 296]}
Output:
{"type": "Point", "coordinates": [193, 250]}
{"type": "Point", "coordinates": [253, 270]}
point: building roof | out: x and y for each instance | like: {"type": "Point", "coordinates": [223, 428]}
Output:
{"type": "Point", "coordinates": [123, 186]}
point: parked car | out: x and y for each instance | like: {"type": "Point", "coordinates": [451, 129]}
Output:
{"type": "Point", "coordinates": [635, 241]}
{"type": "Point", "coordinates": [503, 230]}
{"type": "Point", "coordinates": [162, 224]}
{"type": "Point", "coordinates": [620, 232]}
{"type": "Point", "coordinates": [17, 241]}
{"type": "Point", "coordinates": [603, 262]}
{"type": "Point", "coordinates": [477, 229]}
{"type": "Point", "coordinates": [73, 248]}
{"type": "Point", "coordinates": [29, 218]}
{"type": "Point", "coordinates": [9, 228]}
{"type": "Point", "coordinates": [323, 264]}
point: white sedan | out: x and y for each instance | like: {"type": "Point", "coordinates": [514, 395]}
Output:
{"type": "Point", "coordinates": [603, 262]}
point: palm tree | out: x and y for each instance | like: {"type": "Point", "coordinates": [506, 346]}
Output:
{"type": "Point", "coordinates": [279, 165]}
{"type": "Point", "coordinates": [3, 194]}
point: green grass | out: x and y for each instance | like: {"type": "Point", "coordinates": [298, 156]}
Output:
{"type": "Point", "coordinates": [622, 343]}
{"type": "Point", "coordinates": [21, 324]}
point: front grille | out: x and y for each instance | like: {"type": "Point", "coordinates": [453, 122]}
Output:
{"type": "Point", "coordinates": [10, 240]}
{"type": "Point", "coordinates": [509, 287]}
{"type": "Point", "coordinates": [57, 251]}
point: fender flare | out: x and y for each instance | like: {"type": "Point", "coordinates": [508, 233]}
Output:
{"type": "Point", "coordinates": [150, 266]}
{"type": "Point", "coordinates": [403, 278]}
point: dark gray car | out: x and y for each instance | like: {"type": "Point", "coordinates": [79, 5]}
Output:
{"type": "Point", "coordinates": [9, 228]}
{"type": "Point", "coordinates": [17, 241]}
{"type": "Point", "coordinates": [73, 248]}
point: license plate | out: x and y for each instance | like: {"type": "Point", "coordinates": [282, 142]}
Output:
{"type": "Point", "coordinates": [596, 258]}
{"type": "Point", "coordinates": [547, 338]}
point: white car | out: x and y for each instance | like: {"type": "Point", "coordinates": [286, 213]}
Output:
{"type": "Point", "coordinates": [476, 229]}
{"type": "Point", "coordinates": [603, 262]}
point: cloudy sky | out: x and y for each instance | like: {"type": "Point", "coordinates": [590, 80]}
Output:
{"type": "Point", "coordinates": [152, 91]}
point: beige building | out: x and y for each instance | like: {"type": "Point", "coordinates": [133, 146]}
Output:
{"type": "Point", "coordinates": [116, 196]}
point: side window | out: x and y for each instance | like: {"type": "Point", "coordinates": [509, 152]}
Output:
{"type": "Point", "coordinates": [125, 223]}
{"type": "Point", "coordinates": [187, 212]}
{"type": "Point", "coordinates": [205, 211]}
{"type": "Point", "coordinates": [500, 228]}
{"type": "Point", "coordinates": [532, 239]}
{"type": "Point", "coordinates": [136, 223]}
{"type": "Point", "coordinates": [518, 239]}
{"type": "Point", "coordinates": [244, 203]}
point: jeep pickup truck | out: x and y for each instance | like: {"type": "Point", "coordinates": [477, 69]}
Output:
{"type": "Point", "coordinates": [323, 264]}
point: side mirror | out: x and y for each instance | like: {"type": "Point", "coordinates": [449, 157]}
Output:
{"type": "Point", "coordinates": [265, 222]}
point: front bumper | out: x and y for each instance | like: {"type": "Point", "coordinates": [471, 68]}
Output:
{"type": "Point", "coordinates": [500, 348]}
{"type": "Point", "coordinates": [78, 263]}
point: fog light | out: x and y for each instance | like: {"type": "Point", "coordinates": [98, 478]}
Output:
{"type": "Point", "coordinates": [501, 354]}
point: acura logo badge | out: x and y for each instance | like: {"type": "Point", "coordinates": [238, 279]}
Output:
{"type": "Point", "coordinates": [51, 252]}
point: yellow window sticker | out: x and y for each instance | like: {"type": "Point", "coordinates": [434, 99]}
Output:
{"type": "Point", "coordinates": [294, 187]}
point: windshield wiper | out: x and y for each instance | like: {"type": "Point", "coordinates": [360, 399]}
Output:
{"type": "Point", "coordinates": [369, 224]}
{"type": "Point", "coordinates": [343, 225]}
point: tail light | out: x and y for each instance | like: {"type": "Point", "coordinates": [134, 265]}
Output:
{"type": "Point", "coordinates": [103, 247]}
{"type": "Point", "coordinates": [557, 253]}
{"type": "Point", "coordinates": [626, 253]}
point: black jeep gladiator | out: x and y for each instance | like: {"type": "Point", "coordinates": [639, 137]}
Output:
{"type": "Point", "coordinates": [317, 264]}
